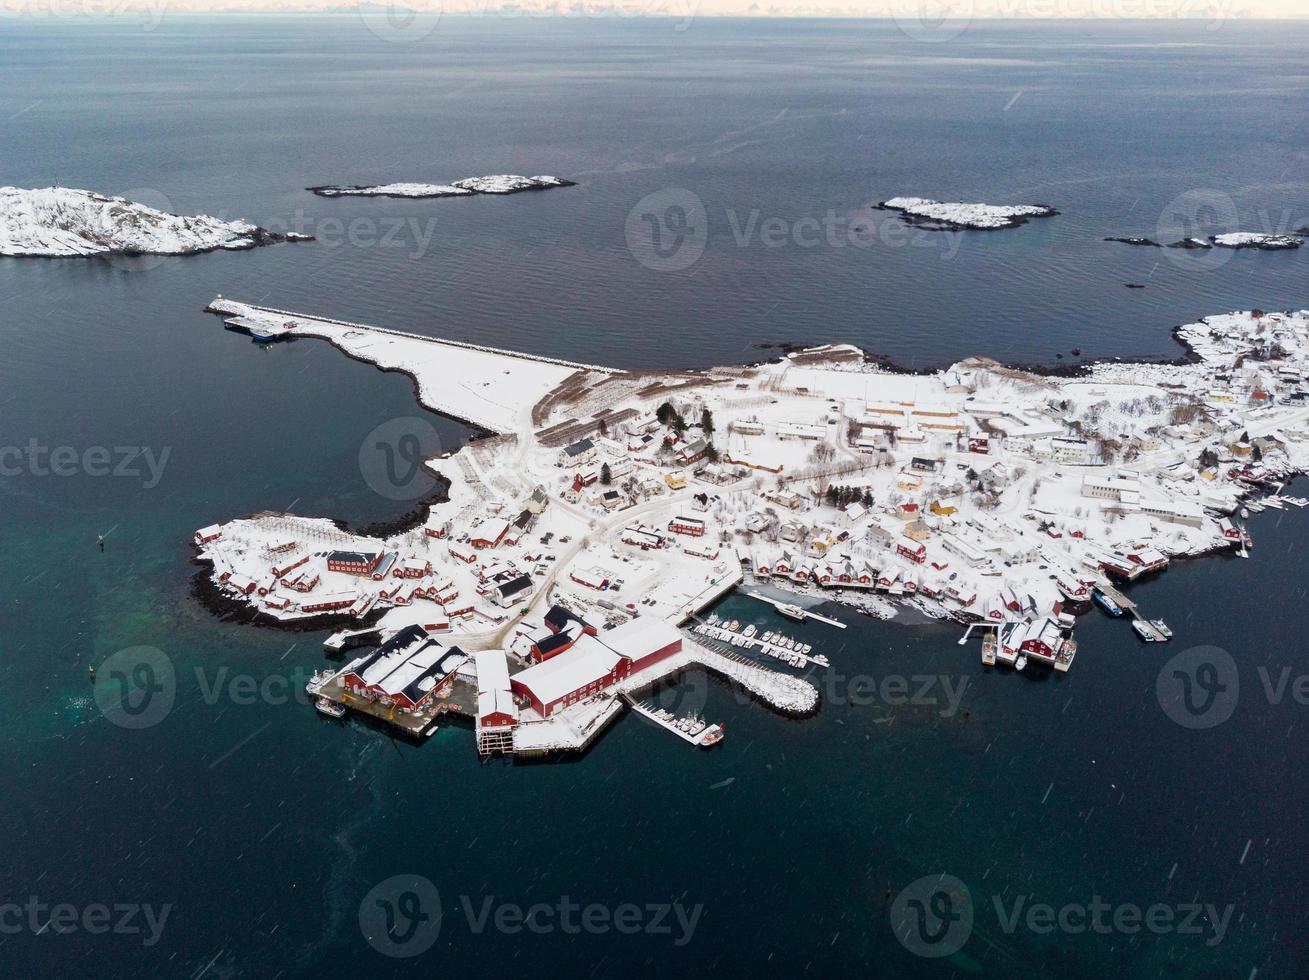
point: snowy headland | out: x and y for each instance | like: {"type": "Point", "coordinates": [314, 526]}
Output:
{"type": "Point", "coordinates": [946, 216]}
{"type": "Point", "coordinates": [62, 222]}
{"type": "Point", "coordinates": [1235, 239]}
{"type": "Point", "coordinates": [493, 184]}
{"type": "Point", "coordinates": [980, 493]}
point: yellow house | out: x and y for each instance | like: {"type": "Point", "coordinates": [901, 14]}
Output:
{"type": "Point", "coordinates": [917, 531]}
{"type": "Point", "coordinates": [940, 510]}
{"type": "Point", "coordinates": [675, 481]}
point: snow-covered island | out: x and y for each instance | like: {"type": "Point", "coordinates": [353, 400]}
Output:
{"type": "Point", "coordinates": [493, 184]}
{"type": "Point", "coordinates": [1234, 239]}
{"type": "Point", "coordinates": [945, 216]}
{"type": "Point", "coordinates": [62, 222]}
{"type": "Point", "coordinates": [582, 545]}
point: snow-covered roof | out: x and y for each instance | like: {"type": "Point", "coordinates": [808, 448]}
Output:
{"type": "Point", "coordinates": [589, 660]}
{"type": "Point", "coordinates": [640, 636]}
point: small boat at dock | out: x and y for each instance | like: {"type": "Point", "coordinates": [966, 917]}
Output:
{"type": "Point", "coordinates": [712, 736]}
{"type": "Point", "coordinates": [791, 611]}
{"type": "Point", "coordinates": [1107, 604]}
{"type": "Point", "coordinates": [329, 708]}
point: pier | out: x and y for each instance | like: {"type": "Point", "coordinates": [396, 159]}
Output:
{"type": "Point", "coordinates": [1145, 628]}
{"type": "Point", "coordinates": [485, 386]}
{"type": "Point", "coordinates": [778, 604]}
{"type": "Point", "coordinates": [712, 733]}
{"type": "Point", "coordinates": [345, 639]}
{"type": "Point", "coordinates": [462, 700]}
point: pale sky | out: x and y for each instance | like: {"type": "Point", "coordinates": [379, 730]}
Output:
{"type": "Point", "coordinates": [925, 12]}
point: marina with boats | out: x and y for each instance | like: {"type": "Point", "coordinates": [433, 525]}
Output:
{"type": "Point", "coordinates": [770, 643]}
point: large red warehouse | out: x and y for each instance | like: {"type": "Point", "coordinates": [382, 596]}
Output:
{"type": "Point", "coordinates": [594, 663]}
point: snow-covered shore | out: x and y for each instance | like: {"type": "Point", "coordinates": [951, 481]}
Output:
{"type": "Point", "coordinates": [1235, 239]}
{"type": "Point", "coordinates": [941, 215]}
{"type": "Point", "coordinates": [62, 222]}
{"type": "Point", "coordinates": [492, 184]}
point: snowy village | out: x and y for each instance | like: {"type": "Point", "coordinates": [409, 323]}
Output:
{"type": "Point", "coordinates": [583, 544]}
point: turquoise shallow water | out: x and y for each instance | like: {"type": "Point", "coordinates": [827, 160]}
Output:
{"type": "Point", "coordinates": [263, 827]}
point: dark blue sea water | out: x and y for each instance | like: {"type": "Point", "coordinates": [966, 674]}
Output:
{"type": "Point", "coordinates": [263, 828]}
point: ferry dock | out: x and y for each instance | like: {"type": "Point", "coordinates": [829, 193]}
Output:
{"type": "Point", "coordinates": [1150, 630]}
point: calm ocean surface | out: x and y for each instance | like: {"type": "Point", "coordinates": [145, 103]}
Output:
{"type": "Point", "coordinates": [263, 827]}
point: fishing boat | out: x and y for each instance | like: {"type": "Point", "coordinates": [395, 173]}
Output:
{"type": "Point", "coordinates": [329, 708]}
{"type": "Point", "coordinates": [712, 736]}
{"type": "Point", "coordinates": [1144, 631]}
{"type": "Point", "coordinates": [1021, 662]}
{"type": "Point", "coordinates": [733, 626]}
{"type": "Point", "coordinates": [792, 611]}
{"type": "Point", "coordinates": [988, 650]}
{"type": "Point", "coordinates": [750, 630]}
{"type": "Point", "coordinates": [1162, 627]}
{"type": "Point", "coordinates": [821, 660]}
{"type": "Point", "coordinates": [1107, 604]}
{"type": "Point", "coordinates": [1245, 513]}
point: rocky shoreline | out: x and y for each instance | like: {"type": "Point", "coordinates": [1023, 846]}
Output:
{"type": "Point", "coordinates": [497, 185]}
{"type": "Point", "coordinates": [956, 216]}
{"type": "Point", "coordinates": [1235, 240]}
{"type": "Point", "coordinates": [63, 222]}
